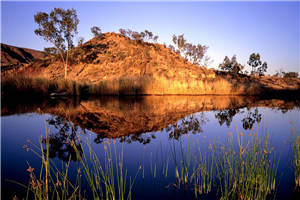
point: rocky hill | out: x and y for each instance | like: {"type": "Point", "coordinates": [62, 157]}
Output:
{"type": "Point", "coordinates": [13, 57]}
{"type": "Point", "coordinates": [117, 64]}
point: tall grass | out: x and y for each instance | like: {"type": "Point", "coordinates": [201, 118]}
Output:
{"type": "Point", "coordinates": [35, 86]}
{"type": "Point", "coordinates": [51, 181]}
{"type": "Point", "coordinates": [248, 171]}
{"type": "Point", "coordinates": [193, 169]}
{"type": "Point", "coordinates": [106, 180]}
{"type": "Point", "coordinates": [42, 87]}
{"type": "Point", "coordinates": [296, 157]}
{"type": "Point", "coordinates": [244, 167]}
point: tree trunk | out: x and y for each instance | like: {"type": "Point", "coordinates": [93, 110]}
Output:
{"type": "Point", "coordinates": [66, 64]}
{"type": "Point", "coordinates": [66, 68]}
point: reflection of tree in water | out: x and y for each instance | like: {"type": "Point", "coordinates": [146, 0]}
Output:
{"type": "Point", "coordinates": [143, 138]}
{"type": "Point", "coordinates": [226, 116]}
{"type": "Point", "coordinates": [191, 124]}
{"type": "Point", "coordinates": [250, 119]}
{"type": "Point", "coordinates": [60, 142]}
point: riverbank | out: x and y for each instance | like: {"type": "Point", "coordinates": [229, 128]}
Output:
{"type": "Point", "coordinates": [225, 84]}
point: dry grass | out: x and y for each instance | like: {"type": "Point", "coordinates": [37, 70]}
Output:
{"type": "Point", "coordinates": [34, 86]}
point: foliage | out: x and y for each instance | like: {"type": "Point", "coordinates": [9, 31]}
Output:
{"type": "Point", "coordinates": [290, 75]}
{"type": "Point", "coordinates": [139, 36]}
{"type": "Point", "coordinates": [59, 27]}
{"type": "Point", "coordinates": [258, 68]}
{"type": "Point", "coordinates": [80, 41]}
{"type": "Point", "coordinates": [282, 73]}
{"type": "Point", "coordinates": [192, 53]}
{"type": "Point", "coordinates": [180, 42]}
{"type": "Point", "coordinates": [51, 51]}
{"type": "Point", "coordinates": [96, 31]}
{"type": "Point", "coordinates": [231, 65]}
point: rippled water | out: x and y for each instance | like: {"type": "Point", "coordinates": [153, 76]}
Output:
{"type": "Point", "coordinates": [151, 131]}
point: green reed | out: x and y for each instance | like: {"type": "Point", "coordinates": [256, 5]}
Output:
{"type": "Point", "coordinates": [106, 180]}
{"type": "Point", "coordinates": [203, 171]}
{"type": "Point", "coordinates": [296, 157]}
{"type": "Point", "coordinates": [248, 172]}
{"type": "Point", "coordinates": [50, 181]}
{"type": "Point", "coordinates": [194, 171]}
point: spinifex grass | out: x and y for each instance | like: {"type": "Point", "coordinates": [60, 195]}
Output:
{"type": "Point", "coordinates": [250, 171]}
{"type": "Point", "coordinates": [296, 160]}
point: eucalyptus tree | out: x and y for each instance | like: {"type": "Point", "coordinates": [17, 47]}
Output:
{"type": "Point", "coordinates": [59, 28]}
{"type": "Point", "coordinates": [231, 65]}
{"type": "Point", "coordinates": [96, 31]}
{"type": "Point", "coordinates": [190, 52]}
{"type": "Point", "coordinates": [139, 36]}
{"type": "Point", "coordinates": [179, 41]}
{"type": "Point", "coordinates": [256, 64]}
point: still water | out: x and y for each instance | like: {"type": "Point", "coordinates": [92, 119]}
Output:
{"type": "Point", "coordinates": [156, 134]}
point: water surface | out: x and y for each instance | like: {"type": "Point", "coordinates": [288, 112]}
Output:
{"type": "Point", "coordinates": [148, 130]}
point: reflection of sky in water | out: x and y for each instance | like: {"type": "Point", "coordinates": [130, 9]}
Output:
{"type": "Point", "coordinates": [16, 129]}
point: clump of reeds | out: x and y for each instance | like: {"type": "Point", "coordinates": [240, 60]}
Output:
{"type": "Point", "coordinates": [248, 171]}
{"type": "Point", "coordinates": [106, 180]}
{"type": "Point", "coordinates": [50, 182]}
{"type": "Point", "coordinates": [194, 169]}
{"type": "Point", "coordinates": [296, 160]}
{"type": "Point", "coordinates": [203, 171]}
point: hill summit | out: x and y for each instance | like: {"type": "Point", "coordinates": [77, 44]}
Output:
{"type": "Point", "coordinates": [111, 56]}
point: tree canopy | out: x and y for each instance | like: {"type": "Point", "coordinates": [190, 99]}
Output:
{"type": "Point", "coordinates": [139, 36]}
{"type": "Point", "coordinates": [96, 31]}
{"type": "Point", "coordinates": [190, 52]}
{"type": "Point", "coordinates": [231, 65]}
{"type": "Point", "coordinates": [59, 28]}
{"type": "Point", "coordinates": [258, 68]}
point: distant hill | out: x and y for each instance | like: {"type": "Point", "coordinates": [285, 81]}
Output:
{"type": "Point", "coordinates": [120, 65]}
{"type": "Point", "coordinates": [12, 56]}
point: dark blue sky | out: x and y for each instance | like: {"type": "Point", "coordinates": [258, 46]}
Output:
{"type": "Point", "coordinates": [228, 28]}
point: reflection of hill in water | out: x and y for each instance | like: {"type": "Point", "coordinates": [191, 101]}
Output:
{"type": "Point", "coordinates": [113, 117]}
